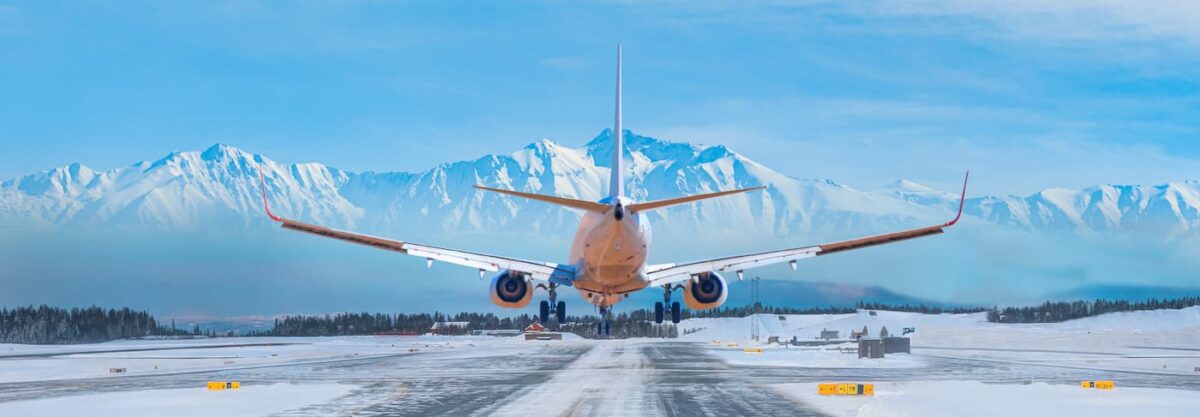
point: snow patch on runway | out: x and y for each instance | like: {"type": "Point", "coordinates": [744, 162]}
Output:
{"type": "Point", "coordinates": [610, 379]}
{"type": "Point", "coordinates": [252, 400]}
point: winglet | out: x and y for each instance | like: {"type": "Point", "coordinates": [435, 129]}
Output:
{"type": "Point", "coordinates": [961, 200]}
{"type": "Point", "coordinates": [263, 181]}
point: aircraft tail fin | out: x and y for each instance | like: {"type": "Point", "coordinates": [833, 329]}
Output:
{"type": "Point", "coordinates": [616, 181]}
{"type": "Point", "coordinates": [651, 205]}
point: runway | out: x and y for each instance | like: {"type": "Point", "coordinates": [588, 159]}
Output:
{"type": "Point", "coordinates": [570, 378]}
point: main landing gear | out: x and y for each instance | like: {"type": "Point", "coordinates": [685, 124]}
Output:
{"type": "Point", "coordinates": [557, 308]}
{"type": "Point", "coordinates": [659, 307]}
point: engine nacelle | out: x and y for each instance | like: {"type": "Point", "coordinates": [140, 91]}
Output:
{"type": "Point", "coordinates": [511, 289]}
{"type": "Point", "coordinates": [704, 291]}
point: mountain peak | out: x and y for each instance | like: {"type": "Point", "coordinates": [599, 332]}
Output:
{"type": "Point", "coordinates": [909, 186]}
{"type": "Point", "coordinates": [219, 151]}
{"type": "Point", "coordinates": [542, 145]}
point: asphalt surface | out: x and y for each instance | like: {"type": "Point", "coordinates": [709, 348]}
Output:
{"type": "Point", "coordinates": [587, 378]}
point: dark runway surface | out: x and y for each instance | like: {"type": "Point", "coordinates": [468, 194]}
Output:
{"type": "Point", "coordinates": [574, 379]}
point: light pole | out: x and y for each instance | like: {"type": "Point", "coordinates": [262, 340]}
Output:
{"type": "Point", "coordinates": [754, 315]}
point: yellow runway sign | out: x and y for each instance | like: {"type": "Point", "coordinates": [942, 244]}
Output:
{"type": "Point", "coordinates": [1098, 384]}
{"type": "Point", "coordinates": [846, 389]}
{"type": "Point", "coordinates": [223, 385]}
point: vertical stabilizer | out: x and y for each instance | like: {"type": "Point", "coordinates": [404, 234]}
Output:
{"type": "Point", "coordinates": [616, 184]}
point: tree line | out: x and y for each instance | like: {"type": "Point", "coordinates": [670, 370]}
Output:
{"type": "Point", "coordinates": [1054, 312]}
{"type": "Point", "coordinates": [48, 325]}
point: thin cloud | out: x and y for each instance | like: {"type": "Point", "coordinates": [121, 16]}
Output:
{"type": "Point", "coordinates": [564, 63]}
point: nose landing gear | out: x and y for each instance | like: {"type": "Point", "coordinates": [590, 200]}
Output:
{"type": "Point", "coordinates": [604, 327]}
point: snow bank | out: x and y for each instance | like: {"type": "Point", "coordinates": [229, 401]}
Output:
{"type": "Point", "coordinates": [170, 356]}
{"type": "Point", "coordinates": [1143, 341]}
{"type": "Point", "coordinates": [250, 400]}
{"type": "Point", "coordinates": [813, 358]}
{"type": "Point", "coordinates": [971, 398]}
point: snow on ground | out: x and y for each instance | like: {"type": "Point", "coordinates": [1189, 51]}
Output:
{"type": "Point", "coordinates": [253, 400]}
{"type": "Point", "coordinates": [169, 356]}
{"type": "Point", "coordinates": [972, 398]}
{"type": "Point", "coordinates": [812, 358]}
{"type": "Point", "coordinates": [1161, 341]}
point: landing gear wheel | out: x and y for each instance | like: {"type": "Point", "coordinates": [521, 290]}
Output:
{"type": "Point", "coordinates": [676, 313]}
{"type": "Point", "coordinates": [560, 312]}
{"type": "Point", "coordinates": [658, 312]}
{"type": "Point", "coordinates": [544, 312]}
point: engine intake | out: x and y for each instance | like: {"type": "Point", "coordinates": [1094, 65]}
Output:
{"type": "Point", "coordinates": [705, 290]}
{"type": "Point", "coordinates": [511, 289]}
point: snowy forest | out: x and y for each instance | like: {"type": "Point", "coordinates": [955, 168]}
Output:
{"type": "Point", "coordinates": [632, 323]}
{"type": "Point", "coordinates": [48, 325]}
{"type": "Point", "coordinates": [1052, 312]}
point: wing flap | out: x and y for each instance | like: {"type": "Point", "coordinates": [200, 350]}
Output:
{"type": "Point", "coordinates": [562, 274]}
{"type": "Point", "coordinates": [667, 273]}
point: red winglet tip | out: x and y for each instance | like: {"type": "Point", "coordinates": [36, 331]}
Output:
{"type": "Point", "coordinates": [263, 181]}
{"type": "Point", "coordinates": [962, 199]}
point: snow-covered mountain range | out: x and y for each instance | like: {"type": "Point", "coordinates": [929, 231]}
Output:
{"type": "Point", "coordinates": [218, 187]}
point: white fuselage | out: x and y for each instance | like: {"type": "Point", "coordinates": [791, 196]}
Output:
{"type": "Point", "coordinates": [610, 254]}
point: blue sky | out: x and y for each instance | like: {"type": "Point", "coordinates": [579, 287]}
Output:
{"type": "Point", "coordinates": [1028, 95]}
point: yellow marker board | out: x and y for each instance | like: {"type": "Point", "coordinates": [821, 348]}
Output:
{"type": "Point", "coordinates": [753, 350]}
{"type": "Point", "coordinates": [846, 389]}
{"type": "Point", "coordinates": [223, 385]}
{"type": "Point", "coordinates": [1098, 384]}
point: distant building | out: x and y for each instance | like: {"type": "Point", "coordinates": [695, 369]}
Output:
{"type": "Point", "coordinates": [870, 348]}
{"type": "Point", "coordinates": [449, 327]}
{"type": "Point", "coordinates": [829, 334]}
{"type": "Point", "coordinates": [896, 345]}
{"type": "Point", "coordinates": [535, 328]}
{"type": "Point", "coordinates": [496, 332]}
{"type": "Point", "coordinates": [543, 336]}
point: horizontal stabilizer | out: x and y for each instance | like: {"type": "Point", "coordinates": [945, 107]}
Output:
{"type": "Point", "coordinates": [569, 202]}
{"type": "Point", "coordinates": [651, 205]}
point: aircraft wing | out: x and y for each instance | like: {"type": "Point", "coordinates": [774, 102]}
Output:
{"type": "Point", "coordinates": [670, 273]}
{"type": "Point", "coordinates": [546, 271]}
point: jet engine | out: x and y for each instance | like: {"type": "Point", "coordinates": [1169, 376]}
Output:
{"type": "Point", "coordinates": [511, 289]}
{"type": "Point", "coordinates": [704, 291]}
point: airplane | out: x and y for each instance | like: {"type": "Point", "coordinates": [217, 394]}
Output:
{"type": "Point", "coordinates": [607, 260]}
